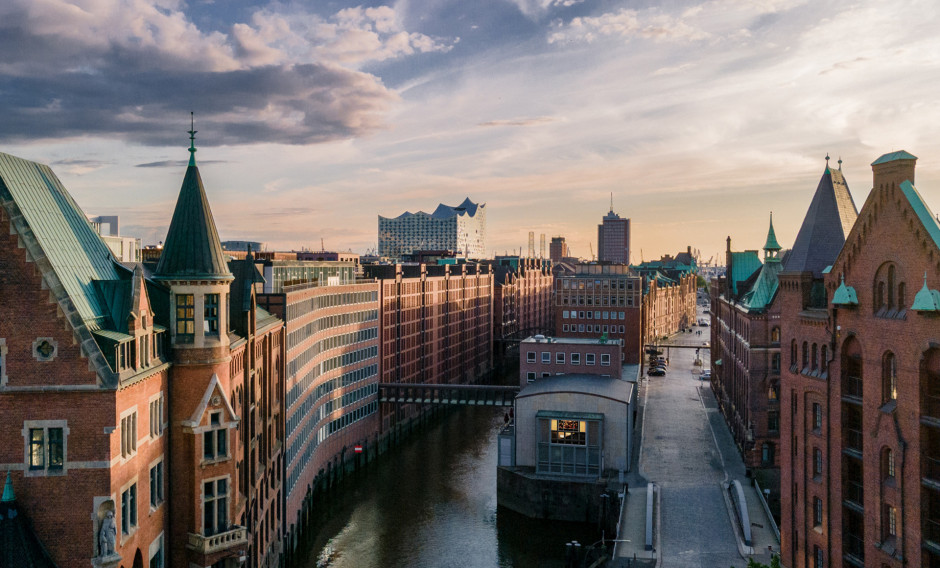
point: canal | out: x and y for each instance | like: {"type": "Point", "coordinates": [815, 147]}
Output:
{"type": "Point", "coordinates": [431, 502]}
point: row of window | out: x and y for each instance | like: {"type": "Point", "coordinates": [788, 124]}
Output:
{"type": "Point", "coordinates": [298, 309]}
{"type": "Point", "coordinates": [129, 499]}
{"type": "Point", "coordinates": [590, 328]}
{"type": "Point", "coordinates": [186, 316]}
{"type": "Point", "coordinates": [328, 322]}
{"type": "Point", "coordinates": [598, 301]}
{"type": "Point", "coordinates": [560, 357]}
{"type": "Point", "coordinates": [585, 284]}
{"type": "Point", "coordinates": [579, 314]}
{"type": "Point", "coordinates": [315, 349]}
{"type": "Point", "coordinates": [531, 376]}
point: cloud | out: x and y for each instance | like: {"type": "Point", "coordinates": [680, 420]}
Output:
{"type": "Point", "coordinates": [128, 68]}
{"type": "Point", "coordinates": [176, 163]}
{"type": "Point", "coordinates": [626, 24]}
{"type": "Point", "coordinates": [534, 121]}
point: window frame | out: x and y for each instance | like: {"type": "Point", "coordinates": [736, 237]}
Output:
{"type": "Point", "coordinates": [218, 501]}
{"type": "Point", "coordinates": [185, 312]}
{"type": "Point", "coordinates": [589, 359]}
{"type": "Point", "coordinates": [605, 359]}
{"type": "Point", "coordinates": [157, 484]}
{"type": "Point", "coordinates": [45, 447]}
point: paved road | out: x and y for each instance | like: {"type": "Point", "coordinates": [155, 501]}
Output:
{"type": "Point", "coordinates": [681, 455]}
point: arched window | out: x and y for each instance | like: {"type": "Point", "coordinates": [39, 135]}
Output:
{"type": "Point", "coordinates": [852, 368]}
{"type": "Point", "coordinates": [824, 359]}
{"type": "Point", "coordinates": [793, 349]}
{"type": "Point", "coordinates": [887, 464]}
{"type": "Point", "coordinates": [889, 377]}
{"type": "Point", "coordinates": [891, 271]}
{"type": "Point", "coordinates": [805, 356]}
{"type": "Point", "coordinates": [815, 357]}
{"type": "Point", "coordinates": [880, 296]}
{"type": "Point", "coordinates": [775, 335]}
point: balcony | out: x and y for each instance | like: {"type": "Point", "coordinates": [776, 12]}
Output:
{"type": "Point", "coordinates": [931, 473]}
{"type": "Point", "coordinates": [932, 533]}
{"type": "Point", "coordinates": [852, 389]}
{"type": "Point", "coordinates": [853, 494]}
{"type": "Point", "coordinates": [853, 548]}
{"type": "Point", "coordinates": [235, 536]}
{"type": "Point", "coordinates": [931, 408]}
{"type": "Point", "coordinates": [852, 440]}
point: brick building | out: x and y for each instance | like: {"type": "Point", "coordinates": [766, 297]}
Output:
{"type": "Point", "coordinates": [522, 296]}
{"type": "Point", "coordinates": [541, 356]}
{"type": "Point", "coordinates": [332, 375]}
{"type": "Point", "coordinates": [131, 394]}
{"type": "Point", "coordinates": [860, 482]}
{"type": "Point", "coordinates": [668, 306]}
{"type": "Point", "coordinates": [745, 350]}
{"type": "Point", "coordinates": [601, 299]}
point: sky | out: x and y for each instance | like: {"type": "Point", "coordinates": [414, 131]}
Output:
{"type": "Point", "coordinates": [699, 117]}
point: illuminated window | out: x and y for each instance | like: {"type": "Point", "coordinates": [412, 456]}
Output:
{"type": "Point", "coordinates": [185, 317]}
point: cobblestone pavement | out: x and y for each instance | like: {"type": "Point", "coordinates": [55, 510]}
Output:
{"type": "Point", "coordinates": [680, 453]}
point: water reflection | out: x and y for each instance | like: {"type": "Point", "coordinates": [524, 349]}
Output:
{"type": "Point", "coordinates": [431, 502]}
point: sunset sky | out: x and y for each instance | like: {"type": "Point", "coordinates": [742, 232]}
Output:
{"type": "Point", "coordinates": [314, 118]}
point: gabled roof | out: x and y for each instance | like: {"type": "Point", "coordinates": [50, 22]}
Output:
{"type": "Point", "coordinates": [743, 266]}
{"type": "Point", "coordinates": [762, 293]}
{"type": "Point", "coordinates": [54, 229]}
{"type": "Point", "coordinates": [828, 221]}
{"type": "Point", "coordinates": [19, 545]}
{"type": "Point", "coordinates": [192, 249]}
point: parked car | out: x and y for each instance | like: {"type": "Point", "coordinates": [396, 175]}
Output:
{"type": "Point", "coordinates": [657, 372]}
{"type": "Point", "coordinates": [706, 374]}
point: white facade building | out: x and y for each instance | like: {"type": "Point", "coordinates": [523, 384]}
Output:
{"type": "Point", "coordinates": [461, 229]}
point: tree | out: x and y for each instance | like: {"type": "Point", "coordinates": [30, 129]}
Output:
{"type": "Point", "coordinates": [774, 563]}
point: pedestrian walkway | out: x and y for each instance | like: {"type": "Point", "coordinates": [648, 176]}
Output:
{"type": "Point", "coordinates": [689, 454]}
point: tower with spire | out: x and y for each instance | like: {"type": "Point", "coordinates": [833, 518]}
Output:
{"type": "Point", "coordinates": [204, 475]}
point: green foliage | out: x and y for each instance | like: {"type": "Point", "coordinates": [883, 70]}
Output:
{"type": "Point", "coordinates": [774, 563]}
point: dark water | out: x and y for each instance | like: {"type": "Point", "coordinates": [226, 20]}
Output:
{"type": "Point", "coordinates": [431, 502]}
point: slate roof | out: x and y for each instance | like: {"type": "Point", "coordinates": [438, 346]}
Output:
{"type": "Point", "coordinates": [828, 221]}
{"type": "Point", "coordinates": [55, 229]}
{"type": "Point", "coordinates": [19, 545]}
{"type": "Point", "coordinates": [192, 249]}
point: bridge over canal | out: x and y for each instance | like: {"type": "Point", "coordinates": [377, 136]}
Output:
{"type": "Point", "coordinates": [465, 395]}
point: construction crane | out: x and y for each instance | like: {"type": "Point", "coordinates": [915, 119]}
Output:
{"type": "Point", "coordinates": [591, 248]}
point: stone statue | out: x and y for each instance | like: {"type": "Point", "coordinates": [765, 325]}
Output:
{"type": "Point", "coordinates": [107, 535]}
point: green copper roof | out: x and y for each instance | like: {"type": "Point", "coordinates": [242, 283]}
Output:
{"type": "Point", "coordinates": [192, 249]}
{"type": "Point", "coordinates": [771, 243]}
{"type": "Point", "coordinates": [8, 495]}
{"type": "Point", "coordinates": [927, 218]}
{"type": "Point", "coordinates": [893, 156]}
{"type": "Point", "coordinates": [844, 295]}
{"type": "Point", "coordinates": [743, 265]}
{"type": "Point", "coordinates": [926, 300]}
{"type": "Point", "coordinates": [765, 287]}
{"type": "Point", "coordinates": [54, 228]}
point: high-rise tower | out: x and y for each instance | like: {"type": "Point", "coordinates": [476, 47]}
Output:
{"type": "Point", "coordinates": [613, 238]}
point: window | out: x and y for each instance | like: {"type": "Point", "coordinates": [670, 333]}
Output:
{"type": "Point", "coordinates": [887, 464]}
{"type": "Point", "coordinates": [767, 453]}
{"type": "Point", "coordinates": [889, 378]}
{"type": "Point", "coordinates": [581, 327]}
{"type": "Point", "coordinates": [564, 314]}
{"type": "Point", "coordinates": [605, 359]}
{"type": "Point", "coordinates": [817, 462]}
{"type": "Point", "coordinates": [46, 449]}
{"type": "Point", "coordinates": [588, 358]}
{"type": "Point", "coordinates": [156, 485]}
{"type": "Point", "coordinates": [215, 440]}
{"type": "Point", "coordinates": [185, 317]}
{"type": "Point", "coordinates": [564, 327]}
{"type": "Point", "coordinates": [891, 522]}
{"type": "Point", "coordinates": [818, 557]}
{"type": "Point", "coordinates": [575, 358]}
{"type": "Point", "coordinates": [793, 353]}
{"type": "Point", "coordinates": [775, 362]}
{"type": "Point", "coordinates": [773, 393]}
{"type": "Point", "coordinates": [559, 358]}
{"type": "Point", "coordinates": [815, 360]}
{"type": "Point", "coordinates": [805, 366]}
{"type": "Point", "coordinates": [129, 434]}
{"type": "Point", "coordinates": [530, 357]}
{"type": "Point", "coordinates": [817, 416]}
{"type": "Point", "coordinates": [546, 375]}
{"type": "Point", "coordinates": [773, 420]}
{"type": "Point", "coordinates": [530, 376]}
{"type": "Point", "coordinates": [817, 511]}
{"type": "Point", "coordinates": [156, 416]}
{"type": "Point", "coordinates": [775, 335]}
{"type": "Point", "coordinates": [156, 552]}
{"type": "Point", "coordinates": [546, 358]}
{"type": "Point", "coordinates": [215, 507]}
{"type": "Point", "coordinates": [129, 509]}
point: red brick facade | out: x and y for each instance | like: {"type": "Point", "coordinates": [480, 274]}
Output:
{"type": "Point", "coordinates": [859, 480]}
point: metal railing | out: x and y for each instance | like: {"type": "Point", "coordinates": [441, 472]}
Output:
{"type": "Point", "coordinates": [853, 492]}
{"type": "Point", "coordinates": [852, 439]}
{"type": "Point", "coordinates": [853, 545]}
{"type": "Point", "coordinates": [852, 386]}
{"type": "Point", "coordinates": [932, 469]}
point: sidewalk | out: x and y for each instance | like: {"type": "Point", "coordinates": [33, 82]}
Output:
{"type": "Point", "coordinates": [633, 529]}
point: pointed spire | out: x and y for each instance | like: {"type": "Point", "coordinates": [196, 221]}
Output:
{"type": "Point", "coordinates": [611, 201]}
{"type": "Point", "coordinates": [840, 163]}
{"type": "Point", "coordinates": [827, 161]}
{"type": "Point", "coordinates": [771, 244]}
{"type": "Point", "coordinates": [192, 139]}
{"type": "Point", "coordinates": [192, 249]}
{"type": "Point", "coordinates": [8, 496]}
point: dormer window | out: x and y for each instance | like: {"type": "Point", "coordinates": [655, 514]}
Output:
{"type": "Point", "coordinates": [185, 318]}
{"type": "Point", "coordinates": [215, 440]}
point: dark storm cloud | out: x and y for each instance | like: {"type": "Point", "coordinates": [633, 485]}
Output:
{"type": "Point", "coordinates": [298, 104]}
{"type": "Point", "coordinates": [100, 72]}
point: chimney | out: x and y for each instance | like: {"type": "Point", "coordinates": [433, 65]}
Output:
{"type": "Point", "coordinates": [892, 169]}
